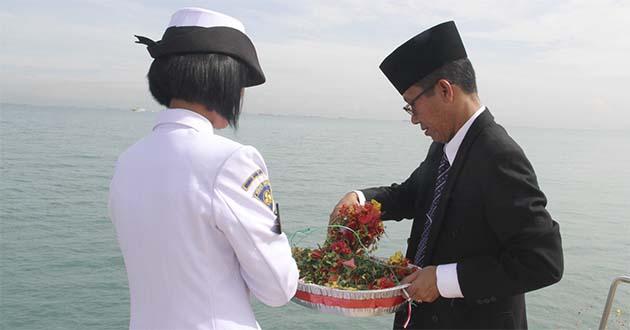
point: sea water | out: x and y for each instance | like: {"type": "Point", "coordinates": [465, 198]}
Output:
{"type": "Point", "coordinates": [61, 267]}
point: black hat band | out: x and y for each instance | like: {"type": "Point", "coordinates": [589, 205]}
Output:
{"type": "Point", "coordinates": [195, 40]}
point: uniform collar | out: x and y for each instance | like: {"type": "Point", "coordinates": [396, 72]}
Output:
{"type": "Point", "coordinates": [450, 148]}
{"type": "Point", "coordinates": [184, 117]}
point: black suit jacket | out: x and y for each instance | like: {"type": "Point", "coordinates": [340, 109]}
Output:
{"type": "Point", "coordinates": [491, 221]}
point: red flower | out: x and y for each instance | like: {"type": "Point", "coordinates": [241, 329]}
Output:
{"type": "Point", "coordinates": [340, 247]}
{"type": "Point", "coordinates": [344, 260]}
{"type": "Point", "coordinates": [349, 237]}
{"type": "Point", "coordinates": [365, 219]}
{"type": "Point", "coordinates": [316, 254]}
{"type": "Point", "coordinates": [385, 282]}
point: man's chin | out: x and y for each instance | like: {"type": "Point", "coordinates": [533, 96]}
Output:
{"type": "Point", "coordinates": [434, 138]}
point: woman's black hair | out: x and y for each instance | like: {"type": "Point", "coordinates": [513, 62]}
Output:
{"type": "Point", "coordinates": [214, 80]}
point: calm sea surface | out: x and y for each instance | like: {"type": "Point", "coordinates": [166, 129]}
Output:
{"type": "Point", "coordinates": [61, 267]}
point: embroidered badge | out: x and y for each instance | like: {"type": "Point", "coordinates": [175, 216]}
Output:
{"type": "Point", "coordinates": [263, 193]}
{"type": "Point", "coordinates": [251, 179]}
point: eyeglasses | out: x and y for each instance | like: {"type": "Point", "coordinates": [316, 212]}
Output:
{"type": "Point", "coordinates": [409, 107]}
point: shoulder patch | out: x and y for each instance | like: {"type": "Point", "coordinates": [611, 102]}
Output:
{"type": "Point", "coordinates": [263, 194]}
{"type": "Point", "coordinates": [251, 179]}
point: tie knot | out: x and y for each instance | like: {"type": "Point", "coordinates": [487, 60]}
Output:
{"type": "Point", "coordinates": [445, 158]}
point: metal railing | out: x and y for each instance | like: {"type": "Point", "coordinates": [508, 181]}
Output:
{"type": "Point", "coordinates": [611, 297]}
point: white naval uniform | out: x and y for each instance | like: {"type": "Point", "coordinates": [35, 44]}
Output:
{"type": "Point", "coordinates": [194, 232]}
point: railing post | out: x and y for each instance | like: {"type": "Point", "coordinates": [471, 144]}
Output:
{"type": "Point", "coordinates": [611, 297]}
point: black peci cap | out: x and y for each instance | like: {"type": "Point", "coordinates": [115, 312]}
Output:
{"type": "Point", "coordinates": [423, 54]}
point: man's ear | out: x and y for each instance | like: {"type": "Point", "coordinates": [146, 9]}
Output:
{"type": "Point", "coordinates": [446, 90]}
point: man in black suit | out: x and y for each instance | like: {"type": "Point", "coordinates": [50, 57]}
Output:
{"type": "Point", "coordinates": [481, 232]}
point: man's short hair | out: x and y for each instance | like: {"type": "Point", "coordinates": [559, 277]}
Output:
{"type": "Point", "coordinates": [459, 72]}
{"type": "Point", "coordinates": [214, 80]}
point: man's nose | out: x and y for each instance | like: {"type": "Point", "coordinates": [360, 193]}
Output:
{"type": "Point", "coordinates": [414, 119]}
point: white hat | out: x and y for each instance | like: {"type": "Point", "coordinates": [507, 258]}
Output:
{"type": "Point", "coordinates": [192, 16]}
{"type": "Point", "coordinates": [196, 30]}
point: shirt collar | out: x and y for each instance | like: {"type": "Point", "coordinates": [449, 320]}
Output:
{"type": "Point", "coordinates": [450, 148]}
{"type": "Point", "coordinates": [184, 117]}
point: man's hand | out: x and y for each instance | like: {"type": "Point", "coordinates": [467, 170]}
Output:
{"type": "Point", "coordinates": [350, 198]}
{"type": "Point", "coordinates": [423, 285]}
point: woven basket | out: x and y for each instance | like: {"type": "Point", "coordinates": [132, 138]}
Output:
{"type": "Point", "coordinates": [360, 303]}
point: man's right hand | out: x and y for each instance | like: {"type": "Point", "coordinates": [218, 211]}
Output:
{"type": "Point", "coordinates": [348, 199]}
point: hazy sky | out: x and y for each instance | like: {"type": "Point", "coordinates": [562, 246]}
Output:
{"type": "Point", "coordinates": [538, 63]}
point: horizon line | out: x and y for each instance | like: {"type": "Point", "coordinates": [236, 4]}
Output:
{"type": "Point", "coordinates": [267, 114]}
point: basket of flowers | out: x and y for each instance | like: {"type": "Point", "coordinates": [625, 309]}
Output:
{"type": "Point", "coordinates": [342, 277]}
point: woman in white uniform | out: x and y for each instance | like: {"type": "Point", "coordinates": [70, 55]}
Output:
{"type": "Point", "coordinates": [194, 212]}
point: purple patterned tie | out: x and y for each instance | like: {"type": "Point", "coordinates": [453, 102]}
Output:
{"type": "Point", "coordinates": [440, 182]}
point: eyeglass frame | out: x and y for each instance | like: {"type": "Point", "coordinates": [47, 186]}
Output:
{"type": "Point", "coordinates": [409, 106]}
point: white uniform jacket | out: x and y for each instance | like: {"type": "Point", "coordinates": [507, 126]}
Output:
{"type": "Point", "coordinates": [194, 217]}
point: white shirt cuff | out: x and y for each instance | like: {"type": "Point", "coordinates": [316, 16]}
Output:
{"type": "Point", "coordinates": [361, 196]}
{"type": "Point", "coordinates": [447, 281]}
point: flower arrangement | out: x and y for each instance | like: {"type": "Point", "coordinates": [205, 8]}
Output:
{"type": "Point", "coordinates": [343, 262]}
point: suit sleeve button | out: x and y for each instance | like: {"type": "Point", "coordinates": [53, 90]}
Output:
{"type": "Point", "coordinates": [493, 298]}
{"type": "Point", "coordinates": [487, 301]}
{"type": "Point", "coordinates": [435, 319]}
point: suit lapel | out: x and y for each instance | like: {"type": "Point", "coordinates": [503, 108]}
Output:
{"type": "Point", "coordinates": [477, 127]}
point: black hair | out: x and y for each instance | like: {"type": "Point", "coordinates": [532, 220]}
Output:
{"type": "Point", "coordinates": [459, 72]}
{"type": "Point", "coordinates": [214, 80]}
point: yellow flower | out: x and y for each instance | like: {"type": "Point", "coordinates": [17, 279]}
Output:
{"type": "Point", "coordinates": [396, 259]}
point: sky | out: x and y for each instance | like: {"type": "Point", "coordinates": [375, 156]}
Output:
{"type": "Point", "coordinates": [552, 64]}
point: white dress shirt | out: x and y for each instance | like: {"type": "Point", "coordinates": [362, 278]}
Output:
{"type": "Point", "coordinates": [447, 281]}
{"type": "Point", "coordinates": [194, 217]}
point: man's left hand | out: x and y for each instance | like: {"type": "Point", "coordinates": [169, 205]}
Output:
{"type": "Point", "coordinates": [423, 285]}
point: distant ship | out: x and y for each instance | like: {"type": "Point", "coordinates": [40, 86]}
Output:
{"type": "Point", "coordinates": [138, 109]}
